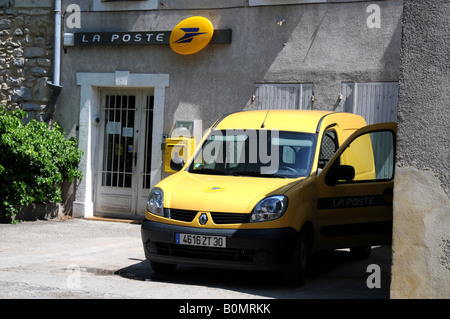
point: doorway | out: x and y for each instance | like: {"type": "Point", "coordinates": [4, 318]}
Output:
{"type": "Point", "coordinates": [124, 158]}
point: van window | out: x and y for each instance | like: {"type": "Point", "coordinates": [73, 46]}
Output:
{"type": "Point", "coordinates": [328, 148]}
{"type": "Point", "coordinates": [371, 155]}
{"type": "Point", "coordinates": [260, 153]}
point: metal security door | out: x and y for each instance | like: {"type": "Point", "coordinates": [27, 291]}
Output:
{"type": "Point", "coordinates": [125, 137]}
{"type": "Point", "coordinates": [377, 103]}
{"type": "Point", "coordinates": [270, 96]}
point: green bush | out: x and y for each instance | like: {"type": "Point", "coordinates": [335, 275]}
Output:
{"type": "Point", "coordinates": [34, 160]}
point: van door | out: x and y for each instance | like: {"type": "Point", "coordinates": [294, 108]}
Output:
{"type": "Point", "coordinates": [355, 190]}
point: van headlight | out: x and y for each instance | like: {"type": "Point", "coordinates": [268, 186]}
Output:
{"type": "Point", "coordinates": [269, 208]}
{"type": "Point", "coordinates": [155, 201]}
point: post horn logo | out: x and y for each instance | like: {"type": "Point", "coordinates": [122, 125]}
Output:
{"type": "Point", "coordinates": [214, 189]}
{"type": "Point", "coordinates": [191, 35]}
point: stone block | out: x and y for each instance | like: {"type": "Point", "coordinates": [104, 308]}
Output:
{"type": "Point", "coordinates": [17, 52]}
{"type": "Point", "coordinates": [5, 24]}
{"type": "Point", "coordinates": [44, 62]}
{"type": "Point", "coordinates": [34, 3]}
{"type": "Point", "coordinates": [12, 12]}
{"type": "Point", "coordinates": [33, 52]}
{"type": "Point", "coordinates": [41, 91]}
{"type": "Point", "coordinates": [4, 3]}
{"type": "Point", "coordinates": [14, 81]}
{"type": "Point", "coordinates": [27, 107]}
{"type": "Point", "coordinates": [38, 71]}
{"type": "Point", "coordinates": [19, 62]}
{"type": "Point", "coordinates": [21, 94]}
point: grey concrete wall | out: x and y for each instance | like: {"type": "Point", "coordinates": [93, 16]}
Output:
{"type": "Point", "coordinates": [421, 235]}
{"type": "Point", "coordinates": [321, 43]}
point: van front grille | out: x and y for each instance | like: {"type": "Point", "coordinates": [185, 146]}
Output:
{"type": "Point", "coordinates": [230, 218]}
{"type": "Point", "coordinates": [182, 215]}
{"type": "Point", "coordinates": [218, 218]}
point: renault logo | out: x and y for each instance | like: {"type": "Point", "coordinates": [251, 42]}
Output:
{"type": "Point", "coordinates": [203, 219]}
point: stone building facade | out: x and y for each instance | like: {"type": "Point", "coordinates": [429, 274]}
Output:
{"type": "Point", "coordinates": [26, 55]}
{"type": "Point", "coordinates": [308, 54]}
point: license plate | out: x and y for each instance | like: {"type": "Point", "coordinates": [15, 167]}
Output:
{"type": "Point", "coordinates": [201, 240]}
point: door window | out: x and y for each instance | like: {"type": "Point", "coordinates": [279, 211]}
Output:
{"type": "Point", "coordinates": [369, 157]}
{"type": "Point", "coordinates": [118, 140]}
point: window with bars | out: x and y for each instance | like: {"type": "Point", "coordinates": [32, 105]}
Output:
{"type": "Point", "coordinates": [118, 153]}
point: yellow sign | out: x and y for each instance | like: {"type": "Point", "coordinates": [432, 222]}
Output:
{"type": "Point", "coordinates": [191, 35]}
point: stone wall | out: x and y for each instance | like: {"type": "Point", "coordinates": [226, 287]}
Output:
{"type": "Point", "coordinates": [26, 55]}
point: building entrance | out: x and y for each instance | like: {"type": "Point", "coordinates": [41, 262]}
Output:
{"type": "Point", "coordinates": [123, 176]}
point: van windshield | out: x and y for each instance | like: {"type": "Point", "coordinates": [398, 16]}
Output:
{"type": "Point", "coordinates": [259, 153]}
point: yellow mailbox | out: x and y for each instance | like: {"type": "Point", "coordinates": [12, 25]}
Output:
{"type": "Point", "coordinates": [177, 149]}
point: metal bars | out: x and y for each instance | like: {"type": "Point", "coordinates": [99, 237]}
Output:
{"type": "Point", "coordinates": [146, 181]}
{"type": "Point", "coordinates": [119, 150]}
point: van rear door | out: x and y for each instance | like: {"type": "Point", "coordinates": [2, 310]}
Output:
{"type": "Point", "coordinates": [355, 190]}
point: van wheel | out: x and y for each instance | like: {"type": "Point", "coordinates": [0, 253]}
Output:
{"type": "Point", "coordinates": [295, 273]}
{"type": "Point", "coordinates": [360, 253]}
{"type": "Point", "coordinates": [161, 268]}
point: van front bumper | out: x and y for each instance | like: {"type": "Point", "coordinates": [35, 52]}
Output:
{"type": "Point", "coordinates": [251, 249]}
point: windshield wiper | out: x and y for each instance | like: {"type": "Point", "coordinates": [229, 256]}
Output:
{"type": "Point", "coordinates": [258, 174]}
{"type": "Point", "coordinates": [210, 171]}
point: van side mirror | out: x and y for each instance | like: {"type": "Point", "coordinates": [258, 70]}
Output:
{"type": "Point", "coordinates": [340, 173]}
{"type": "Point", "coordinates": [176, 163]}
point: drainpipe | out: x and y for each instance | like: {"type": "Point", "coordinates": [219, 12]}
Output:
{"type": "Point", "coordinates": [57, 46]}
{"type": "Point", "coordinates": [55, 86]}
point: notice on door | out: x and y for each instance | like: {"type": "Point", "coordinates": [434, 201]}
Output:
{"type": "Point", "coordinates": [113, 128]}
{"type": "Point", "coordinates": [127, 132]}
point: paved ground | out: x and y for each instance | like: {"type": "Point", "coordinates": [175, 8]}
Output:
{"type": "Point", "coordinates": [79, 258]}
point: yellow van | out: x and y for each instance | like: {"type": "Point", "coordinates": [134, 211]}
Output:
{"type": "Point", "coordinates": [266, 189]}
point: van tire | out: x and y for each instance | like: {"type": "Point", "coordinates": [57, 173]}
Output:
{"type": "Point", "coordinates": [161, 268]}
{"type": "Point", "coordinates": [360, 253]}
{"type": "Point", "coordinates": [295, 273]}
